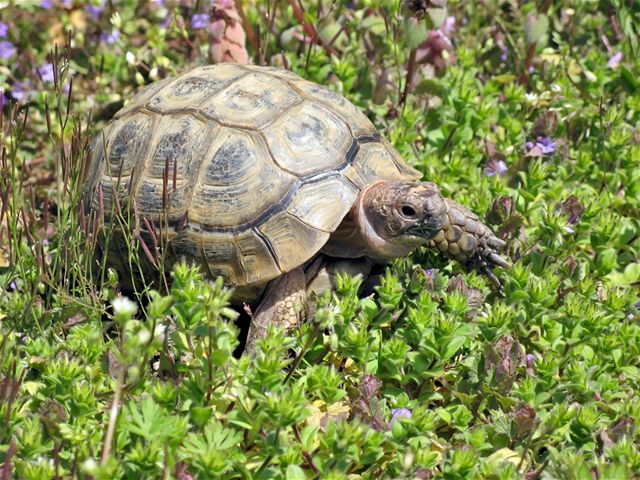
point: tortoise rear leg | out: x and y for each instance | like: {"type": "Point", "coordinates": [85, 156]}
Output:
{"type": "Point", "coordinates": [283, 304]}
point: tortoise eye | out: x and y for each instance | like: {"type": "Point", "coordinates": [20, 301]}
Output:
{"type": "Point", "coordinates": [408, 211]}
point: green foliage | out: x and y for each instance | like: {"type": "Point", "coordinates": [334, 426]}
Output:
{"type": "Point", "coordinates": [530, 118]}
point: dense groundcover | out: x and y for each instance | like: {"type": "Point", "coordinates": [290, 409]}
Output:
{"type": "Point", "coordinates": [527, 112]}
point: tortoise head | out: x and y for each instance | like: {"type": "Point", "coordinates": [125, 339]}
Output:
{"type": "Point", "coordinates": [395, 217]}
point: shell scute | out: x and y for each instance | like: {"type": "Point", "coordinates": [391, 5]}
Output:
{"type": "Point", "coordinates": [251, 102]}
{"type": "Point", "coordinates": [179, 146]}
{"type": "Point", "coordinates": [323, 204]}
{"type": "Point", "coordinates": [258, 262]}
{"type": "Point", "coordinates": [293, 241]}
{"type": "Point", "coordinates": [358, 121]}
{"type": "Point", "coordinates": [374, 162]}
{"type": "Point", "coordinates": [309, 139]}
{"type": "Point", "coordinates": [125, 156]}
{"type": "Point", "coordinates": [190, 90]}
{"type": "Point", "coordinates": [238, 181]}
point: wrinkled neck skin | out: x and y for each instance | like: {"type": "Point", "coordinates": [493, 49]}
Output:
{"type": "Point", "coordinates": [357, 237]}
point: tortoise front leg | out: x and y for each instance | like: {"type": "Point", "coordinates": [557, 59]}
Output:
{"type": "Point", "coordinates": [466, 239]}
{"type": "Point", "coordinates": [283, 304]}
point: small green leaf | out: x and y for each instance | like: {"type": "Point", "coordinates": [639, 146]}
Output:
{"type": "Point", "coordinates": [200, 415]}
{"type": "Point", "coordinates": [308, 436]}
{"type": "Point", "coordinates": [535, 27]}
{"type": "Point", "coordinates": [632, 273]}
{"type": "Point", "coordinates": [294, 472]}
{"type": "Point", "coordinates": [416, 32]}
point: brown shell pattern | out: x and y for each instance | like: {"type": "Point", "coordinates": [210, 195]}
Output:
{"type": "Point", "coordinates": [261, 166]}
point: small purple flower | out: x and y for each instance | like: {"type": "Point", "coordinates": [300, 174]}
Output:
{"type": "Point", "coordinates": [95, 10]}
{"type": "Point", "coordinates": [20, 90]}
{"type": "Point", "coordinates": [448, 26]}
{"type": "Point", "coordinates": [429, 273]}
{"type": "Point", "coordinates": [111, 37]}
{"type": "Point", "coordinates": [495, 167]}
{"type": "Point", "coordinates": [12, 286]}
{"type": "Point", "coordinates": [547, 145]}
{"type": "Point", "coordinates": [614, 60]}
{"type": "Point", "coordinates": [7, 49]}
{"type": "Point", "coordinates": [503, 55]}
{"type": "Point", "coordinates": [46, 72]}
{"type": "Point", "coordinates": [531, 360]}
{"type": "Point", "coordinates": [4, 29]}
{"type": "Point", "coordinates": [398, 413]}
{"type": "Point", "coordinates": [200, 21]}
{"type": "Point", "coordinates": [46, 4]}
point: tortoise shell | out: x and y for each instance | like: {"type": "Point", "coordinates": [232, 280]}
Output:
{"type": "Point", "coordinates": [252, 168]}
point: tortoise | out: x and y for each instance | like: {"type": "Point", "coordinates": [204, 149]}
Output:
{"type": "Point", "coordinates": [275, 183]}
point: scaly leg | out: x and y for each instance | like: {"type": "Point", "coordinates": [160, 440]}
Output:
{"type": "Point", "coordinates": [283, 304]}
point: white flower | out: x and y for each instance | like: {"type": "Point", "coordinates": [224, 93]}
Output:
{"type": "Point", "coordinates": [123, 307]}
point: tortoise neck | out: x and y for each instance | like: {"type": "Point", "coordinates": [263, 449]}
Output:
{"type": "Point", "coordinates": [357, 237]}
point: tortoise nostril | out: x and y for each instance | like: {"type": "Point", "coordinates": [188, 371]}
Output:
{"type": "Point", "coordinates": [408, 211]}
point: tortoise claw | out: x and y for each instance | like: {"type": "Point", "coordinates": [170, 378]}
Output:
{"type": "Point", "coordinates": [495, 242]}
{"type": "Point", "coordinates": [491, 276]}
{"type": "Point", "coordinates": [498, 260]}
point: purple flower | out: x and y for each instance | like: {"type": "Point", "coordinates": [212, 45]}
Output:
{"type": "Point", "coordinates": [12, 286]}
{"type": "Point", "coordinates": [546, 145]}
{"type": "Point", "coordinates": [111, 37]}
{"type": "Point", "coordinates": [398, 413]}
{"type": "Point", "coordinates": [200, 21]}
{"type": "Point", "coordinates": [495, 167]}
{"type": "Point", "coordinates": [448, 26]}
{"type": "Point", "coordinates": [46, 72]}
{"type": "Point", "coordinates": [95, 10]}
{"type": "Point", "coordinates": [503, 55]}
{"type": "Point", "coordinates": [4, 29]}
{"type": "Point", "coordinates": [20, 90]}
{"type": "Point", "coordinates": [47, 4]}
{"type": "Point", "coordinates": [429, 273]}
{"type": "Point", "coordinates": [7, 49]}
{"type": "Point", "coordinates": [531, 360]}
{"type": "Point", "coordinates": [614, 60]}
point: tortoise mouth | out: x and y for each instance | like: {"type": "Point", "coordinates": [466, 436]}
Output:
{"type": "Point", "coordinates": [427, 228]}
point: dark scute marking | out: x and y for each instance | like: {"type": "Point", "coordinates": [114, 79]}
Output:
{"type": "Point", "coordinates": [374, 137]}
{"type": "Point", "coordinates": [171, 149]}
{"type": "Point", "coordinates": [286, 198]}
{"type": "Point", "coordinates": [228, 162]}
{"type": "Point", "coordinates": [124, 141]}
